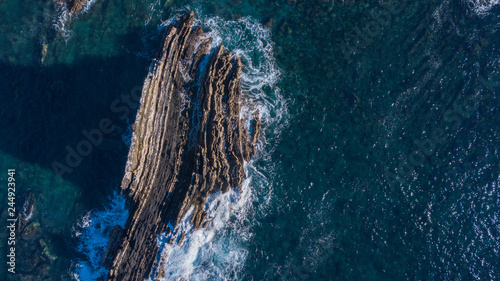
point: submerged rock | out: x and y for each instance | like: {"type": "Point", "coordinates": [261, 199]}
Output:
{"type": "Point", "coordinates": [75, 6]}
{"type": "Point", "coordinates": [188, 142]}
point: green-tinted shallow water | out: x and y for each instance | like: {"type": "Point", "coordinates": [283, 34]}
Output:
{"type": "Point", "coordinates": [376, 164]}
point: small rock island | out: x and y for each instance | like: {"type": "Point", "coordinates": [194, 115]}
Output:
{"type": "Point", "coordinates": [189, 141]}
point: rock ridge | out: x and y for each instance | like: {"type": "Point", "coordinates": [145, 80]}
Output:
{"type": "Point", "coordinates": [188, 142]}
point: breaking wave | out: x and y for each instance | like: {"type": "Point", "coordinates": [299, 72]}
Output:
{"type": "Point", "coordinates": [63, 15]}
{"type": "Point", "coordinates": [481, 7]}
{"type": "Point", "coordinates": [92, 232]}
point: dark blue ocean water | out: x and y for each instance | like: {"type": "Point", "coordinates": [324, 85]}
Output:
{"type": "Point", "coordinates": [379, 158]}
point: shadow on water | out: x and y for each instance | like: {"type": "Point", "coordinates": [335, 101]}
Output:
{"type": "Point", "coordinates": [50, 112]}
{"type": "Point", "coordinates": [46, 110]}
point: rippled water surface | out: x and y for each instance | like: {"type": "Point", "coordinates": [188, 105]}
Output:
{"type": "Point", "coordinates": [378, 159]}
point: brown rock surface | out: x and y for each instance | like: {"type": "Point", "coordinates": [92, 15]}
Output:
{"type": "Point", "coordinates": [75, 6]}
{"type": "Point", "coordinates": [188, 142]}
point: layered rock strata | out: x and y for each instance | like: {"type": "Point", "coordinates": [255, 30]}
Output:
{"type": "Point", "coordinates": [188, 142]}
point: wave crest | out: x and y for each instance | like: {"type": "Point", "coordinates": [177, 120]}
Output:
{"type": "Point", "coordinates": [92, 232]}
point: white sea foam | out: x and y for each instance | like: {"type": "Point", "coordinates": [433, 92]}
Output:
{"type": "Point", "coordinates": [63, 15]}
{"type": "Point", "coordinates": [28, 210]}
{"type": "Point", "coordinates": [481, 7]}
{"type": "Point", "coordinates": [127, 135]}
{"type": "Point", "coordinates": [87, 6]}
{"type": "Point", "coordinates": [218, 252]}
{"type": "Point", "coordinates": [92, 232]}
{"type": "Point", "coordinates": [201, 257]}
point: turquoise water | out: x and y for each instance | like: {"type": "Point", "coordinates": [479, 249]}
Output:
{"type": "Point", "coordinates": [379, 158]}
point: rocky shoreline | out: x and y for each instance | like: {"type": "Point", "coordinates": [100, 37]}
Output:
{"type": "Point", "coordinates": [188, 142]}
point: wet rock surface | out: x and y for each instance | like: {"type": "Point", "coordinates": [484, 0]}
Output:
{"type": "Point", "coordinates": [75, 6]}
{"type": "Point", "coordinates": [188, 142]}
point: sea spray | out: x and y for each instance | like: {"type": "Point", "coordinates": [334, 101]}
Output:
{"type": "Point", "coordinates": [201, 257]}
{"type": "Point", "coordinates": [251, 41]}
{"type": "Point", "coordinates": [217, 251]}
{"type": "Point", "coordinates": [92, 232]}
{"type": "Point", "coordinates": [63, 15]}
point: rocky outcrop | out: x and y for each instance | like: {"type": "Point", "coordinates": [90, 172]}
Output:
{"type": "Point", "coordinates": [75, 6]}
{"type": "Point", "coordinates": [188, 143]}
